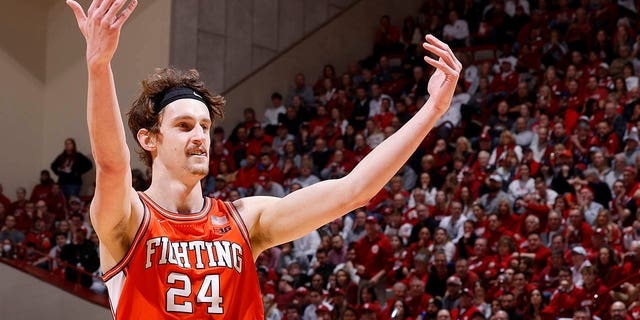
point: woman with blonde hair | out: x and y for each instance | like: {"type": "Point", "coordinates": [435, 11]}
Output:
{"type": "Point", "coordinates": [507, 141]}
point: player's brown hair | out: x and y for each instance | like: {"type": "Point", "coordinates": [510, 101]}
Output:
{"type": "Point", "coordinates": [142, 113]}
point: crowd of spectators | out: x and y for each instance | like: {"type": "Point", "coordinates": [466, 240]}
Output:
{"type": "Point", "coordinates": [522, 203]}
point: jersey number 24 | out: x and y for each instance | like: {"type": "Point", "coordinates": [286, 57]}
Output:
{"type": "Point", "coordinates": [209, 293]}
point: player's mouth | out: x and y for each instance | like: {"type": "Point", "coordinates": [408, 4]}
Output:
{"type": "Point", "coordinates": [197, 153]}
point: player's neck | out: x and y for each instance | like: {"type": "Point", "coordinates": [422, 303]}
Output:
{"type": "Point", "coordinates": [176, 196]}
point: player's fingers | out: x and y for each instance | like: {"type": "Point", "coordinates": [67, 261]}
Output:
{"type": "Point", "coordinates": [77, 11]}
{"type": "Point", "coordinates": [93, 6]}
{"type": "Point", "coordinates": [449, 56]}
{"type": "Point", "coordinates": [439, 64]}
{"type": "Point", "coordinates": [125, 14]}
{"type": "Point", "coordinates": [114, 9]}
{"type": "Point", "coordinates": [445, 59]}
{"type": "Point", "coordinates": [446, 50]}
{"type": "Point", "coordinates": [102, 9]}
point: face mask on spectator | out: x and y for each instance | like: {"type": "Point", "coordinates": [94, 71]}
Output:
{"type": "Point", "coordinates": [6, 247]}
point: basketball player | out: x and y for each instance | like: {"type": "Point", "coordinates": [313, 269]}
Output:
{"type": "Point", "coordinates": [169, 252]}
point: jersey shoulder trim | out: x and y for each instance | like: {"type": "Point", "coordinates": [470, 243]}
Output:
{"type": "Point", "coordinates": [142, 229]}
{"type": "Point", "coordinates": [235, 215]}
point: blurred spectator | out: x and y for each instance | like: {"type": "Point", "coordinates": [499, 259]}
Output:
{"type": "Point", "coordinates": [69, 166]}
{"type": "Point", "coordinates": [82, 254]}
{"type": "Point", "coordinates": [9, 231]}
{"type": "Point", "coordinates": [42, 189]}
{"type": "Point", "coordinates": [387, 38]}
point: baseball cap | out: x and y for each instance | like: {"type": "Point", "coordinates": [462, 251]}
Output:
{"type": "Point", "coordinates": [437, 301]}
{"type": "Point", "coordinates": [630, 169]}
{"type": "Point", "coordinates": [287, 278]}
{"type": "Point", "coordinates": [324, 307]}
{"type": "Point", "coordinates": [421, 257]}
{"type": "Point", "coordinates": [455, 280]}
{"type": "Point", "coordinates": [302, 290]}
{"type": "Point", "coordinates": [579, 250]}
{"type": "Point", "coordinates": [603, 65]}
{"type": "Point", "coordinates": [495, 177]}
{"type": "Point", "coordinates": [633, 135]}
{"type": "Point", "coordinates": [467, 292]}
{"type": "Point", "coordinates": [263, 179]}
{"type": "Point", "coordinates": [584, 118]}
{"type": "Point", "coordinates": [220, 177]}
{"type": "Point", "coordinates": [371, 219]}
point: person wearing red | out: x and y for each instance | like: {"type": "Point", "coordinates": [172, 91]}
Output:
{"type": "Point", "coordinates": [535, 251]}
{"type": "Point", "coordinates": [605, 139]}
{"type": "Point", "coordinates": [482, 263]}
{"type": "Point", "coordinates": [578, 232]}
{"type": "Point", "coordinates": [373, 256]}
{"type": "Point", "coordinates": [506, 81]}
{"type": "Point", "coordinates": [220, 154]}
{"type": "Point", "coordinates": [566, 299]}
{"type": "Point", "coordinates": [387, 37]}
{"type": "Point", "coordinates": [21, 201]}
{"type": "Point", "coordinates": [417, 300]}
{"type": "Point", "coordinates": [632, 185]}
{"type": "Point", "coordinates": [257, 138]}
{"type": "Point", "coordinates": [421, 246]}
{"type": "Point", "coordinates": [247, 175]}
{"type": "Point", "coordinates": [269, 168]}
{"type": "Point", "coordinates": [595, 296]}
{"type": "Point", "coordinates": [57, 202]}
{"type": "Point", "coordinates": [548, 279]}
{"type": "Point", "coordinates": [468, 278]}
{"type": "Point", "coordinates": [384, 118]}
{"type": "Point", "coordinates": [39, 236]}
{"type": "Point", "coordinates": [608, 270]}
{"type": "Point", "coordinates": [495, 231]}
{"type": "Point", "coordinates": [594, 92]}
{"type": "Point", "coordinates": [465, 309]}
{"type": "Point", "coordinates": [42, 189]}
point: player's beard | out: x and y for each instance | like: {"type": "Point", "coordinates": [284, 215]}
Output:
{"type": "Point", "coordinates": [199, 169]}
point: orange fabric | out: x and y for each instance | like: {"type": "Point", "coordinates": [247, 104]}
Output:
{"type": "Point", "coordinates": [187, 265]}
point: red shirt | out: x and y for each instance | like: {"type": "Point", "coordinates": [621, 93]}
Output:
{"type": "Point", "coordinates": [596, 300]}
{"type": "Point", "coordinates": [416, 306]}
{"type": "Point", "coordinates": [466, 315]}
{"type": "Point", "coordinates": [580, 236]}
{"type": "Point", "coordinates": [563, 304]}
{"type": "Point", "coordinates": [481, 265]}
{"type": "Point", "coordinates": [374, 254]}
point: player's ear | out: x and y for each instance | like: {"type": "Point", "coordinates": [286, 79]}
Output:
{"type": "Point", "coordinates": [147, 139]}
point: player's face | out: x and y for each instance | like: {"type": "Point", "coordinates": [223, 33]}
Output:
{"type": "Point", "coordinates": [184, 139]}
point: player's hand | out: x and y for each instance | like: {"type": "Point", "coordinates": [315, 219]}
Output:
{"type": "Point", "coordinates": [101, 27]}
{"type": "Point", "coordinates": [444, 80]}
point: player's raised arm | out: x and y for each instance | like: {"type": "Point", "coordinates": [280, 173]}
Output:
{"type": "Point", "coordinates": [101, 26]}
{"type": "Point", "coordinates": [272, 220]}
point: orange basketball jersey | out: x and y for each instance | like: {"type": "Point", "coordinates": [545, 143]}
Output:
{"type": "Point", "coordinates": [195, 266]}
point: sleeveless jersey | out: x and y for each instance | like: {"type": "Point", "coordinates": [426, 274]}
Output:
{"type": "Point", "coordinates": [195, 266]}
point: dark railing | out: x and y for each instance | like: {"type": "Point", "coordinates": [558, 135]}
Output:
{"type": "Point", "coordinates": [55, 276]}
